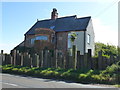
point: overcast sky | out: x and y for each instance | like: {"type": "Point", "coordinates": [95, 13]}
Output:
{"type": "Point", "coordinates": [18, 17]}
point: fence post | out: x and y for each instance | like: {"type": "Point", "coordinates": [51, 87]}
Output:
{"type": "Point", "coordinates": [45, 63]}
{"type": "Point", "coordinates": [74, 61]}
{"type": "Point", "coordinates": [21, 59]}
{"type": "Point", "coordinates": [18, 60]}
{"type": "Point", "coordinates": [78, 60]}
{"type": "Point", "coordinates": [81, 61]}
{"type": "Point", "coordinates": [108, 62]}
{"type": "Point", "coordinates": [48, 58]}
{"type": "Point", "coordinates": [42, 58]}
{"type": "Point", "coordinates": [100, 60]}
{"type": "Point", "coordinates": [14, 60]}
{"type": "Point", "coordinates": [93, 64]}
{"type": "Point", "coordinates": [7, 59]}
{"type": "Point", "coordinates": [67, 61]}
{"type": "Point", "coordinates": [60, 60]}
{"type": "Point", "coordinates": [11, 59]}
{"type": "Point", "coordinates": [64, 61]}
{"type": "Point", "coordinates": [89, 57]}
{"type": "Point", "coordinates": [37, 60]}
{"type": "Point", "coordinates": [26, 59]}
{"type": "Point", "coordinates": [103, 62]}
{"type": "Point", "coordinates": [85, 61]}
{"type": "Point", "coordinates": [31, 62]}
{"type": "Point", "coordinates": [2, 58]}
{"type": "Point", "coordinates": [55, 58]}
{"type": "Point", "coordinates": [34, 60]}
{"type": "Point", "coordinates": [111, 59]}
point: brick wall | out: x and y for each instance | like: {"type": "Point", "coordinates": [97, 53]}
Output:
{"type": "Point", "coordinates": [62, 41]}
{"type": "Point", "coordinates": [40, 44]}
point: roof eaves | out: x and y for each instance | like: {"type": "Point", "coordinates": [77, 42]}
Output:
{"type": "Point", "coordinates": [31, 27]}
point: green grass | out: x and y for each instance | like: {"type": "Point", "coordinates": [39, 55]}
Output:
{"type": "Point", "coordinates": [110, 75]}
{"type": "Point", "coordinates": [118, 86]}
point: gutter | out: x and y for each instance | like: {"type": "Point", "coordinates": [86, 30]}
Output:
{"type": "Point", "coordinates": [84, 42]}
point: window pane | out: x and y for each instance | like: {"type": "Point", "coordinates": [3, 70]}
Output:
{"type": "Point", "coordinates": [41, 38]}
{"type": "Point", "coordinates": [32, 40]}
{"type": "Point", "coordinates": [88, 38]}
{"type": "Point", "coordinates": [69, 41]}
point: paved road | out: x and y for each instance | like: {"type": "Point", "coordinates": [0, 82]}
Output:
{"type": "Point", "coordinates": [16, 81]}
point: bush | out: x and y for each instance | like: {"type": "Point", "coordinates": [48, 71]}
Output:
{"type": "Point", "coordinates": [7, 69]}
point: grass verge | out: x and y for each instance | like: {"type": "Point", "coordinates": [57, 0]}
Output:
{"type": "Point", "coordinates": [111, 75]}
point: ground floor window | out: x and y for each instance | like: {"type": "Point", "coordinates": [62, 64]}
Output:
{"type": "Point", "coordinates": [69, 41]}
{"type": "Point", "coordinates": [39, 38]}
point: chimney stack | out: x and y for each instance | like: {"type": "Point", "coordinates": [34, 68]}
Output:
{"type": "Point", "coordinates": [54, 14]}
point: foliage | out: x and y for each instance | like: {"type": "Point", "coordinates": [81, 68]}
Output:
{"type": "Point", "coordinates": [73, 37]}
{"type": "Point", "coordinates": [118, 48]}
{"type": "Point", "coordinates": [107, 50]}
{"type": "Point", "coordinates": [112, 72]}
{"type": "Point", "coordinates": [107, 56]}
{"type": "Point", "coordinates": [110, 75]}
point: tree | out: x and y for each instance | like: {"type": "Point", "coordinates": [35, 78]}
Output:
{"type": "Point", "coordinates": [73, 37]}
{"type": "Point", "coordinates": [106, 49]}
{"type": "Point", "coordinates": [118, 48]}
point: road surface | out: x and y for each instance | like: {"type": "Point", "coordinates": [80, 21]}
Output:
{"type": "Point", "coordinates": [17, 81]}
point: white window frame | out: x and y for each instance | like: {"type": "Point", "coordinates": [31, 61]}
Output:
{"type": "Point", "coordinates": [88, 38]}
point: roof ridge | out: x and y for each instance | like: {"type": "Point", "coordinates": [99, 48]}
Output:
{"type": "Point", "coordinates": [84, 17]}
{"type": "Point", "coordinates": [45, 20]}
{"type": "Point", "coordinates": [67, 16]}
{"type": "Point", "coordinates": [58, 18]}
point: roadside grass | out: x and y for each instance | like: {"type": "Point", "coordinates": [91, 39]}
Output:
{"type": "Point", "coordinates": [111, 75]}
{"type": "Point", "coordinates": [118, 86]}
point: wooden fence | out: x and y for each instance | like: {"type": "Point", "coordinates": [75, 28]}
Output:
{"type": "Point", "coordinates": [55, 59]}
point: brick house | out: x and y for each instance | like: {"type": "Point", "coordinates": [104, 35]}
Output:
{"type": "Point", "coordinates": [55, 33]}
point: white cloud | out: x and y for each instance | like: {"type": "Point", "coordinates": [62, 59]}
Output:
{"type": "Point", "coordinates": [105, 33]}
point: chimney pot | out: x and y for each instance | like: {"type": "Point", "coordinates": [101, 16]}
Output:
{"type": "Point", "coordinates": [54, 14]}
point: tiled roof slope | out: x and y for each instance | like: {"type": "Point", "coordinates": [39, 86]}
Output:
{"type": "Point", "coordinates": [70, 23]}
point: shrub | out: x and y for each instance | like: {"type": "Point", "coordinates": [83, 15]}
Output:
{"type": "Point", "coordinates": [107, 56]}
{"type": "Point", "coordinates": [7, 69]}
{"type": "Point", "coordinates": [15, 70]}
{"type": "Point", "coordinates": [65, 75]}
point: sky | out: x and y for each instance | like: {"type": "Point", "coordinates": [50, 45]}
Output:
{"type": "Point", "coordinates": [18, 17]}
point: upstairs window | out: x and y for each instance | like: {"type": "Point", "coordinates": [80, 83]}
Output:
{"type": "Point", "coordinates": [88, 38]}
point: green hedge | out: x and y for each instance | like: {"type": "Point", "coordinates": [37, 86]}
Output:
{"type": "Point", "coordinates": [109, 76]}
